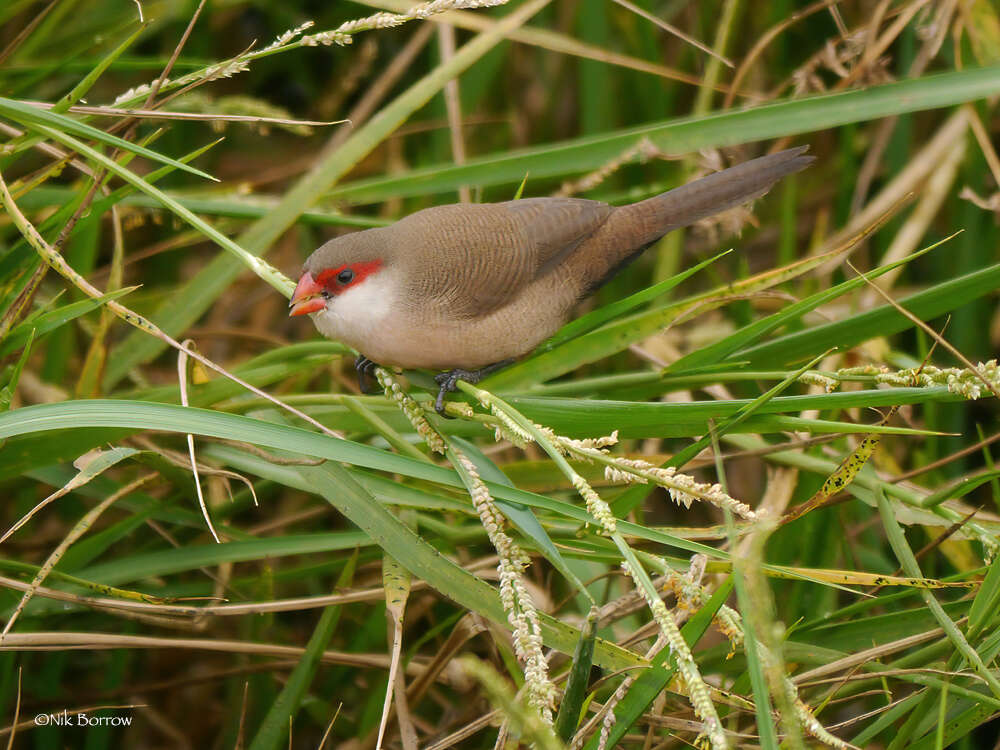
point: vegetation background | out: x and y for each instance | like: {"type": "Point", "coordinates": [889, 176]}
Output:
{"type": "Point", "coordinates": [870, 579]}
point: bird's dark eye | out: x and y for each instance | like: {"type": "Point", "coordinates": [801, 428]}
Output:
{"type": "Point", "coordinates": [346, 276]}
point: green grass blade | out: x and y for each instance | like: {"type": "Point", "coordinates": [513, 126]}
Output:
{"type": "Point", "coordinates": [742, 338]}
{"type": "Point", "coordinates": [986, 605]}
{"type": "Point", "coordinates": [191, 557]}
{"type": "Point", "coordinates": [86, 83]}
{"type": "Point", "coordinates": [960, 488]}
{"type": "Point", "coordinates": [908, 561]}
{"type": "Point", "coordinates": [568, 717]}
{"type": "Point", "coordinates": [685, 135]}
{"type": "Point", "coordinates": [926, 305]}
{"type": "Point", "coordinates": [10, 387]}
{"type": "Point", "coordinates": [48, 321]}
{"type": "Point", "coordinates": [46, 121]}
{"type": "Point", "coordinates": [589, 417]}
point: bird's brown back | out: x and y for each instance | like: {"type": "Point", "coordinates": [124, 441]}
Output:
{"type": "Point", "coordinates": [468, 260]}
{"type": "Point", "coordinates": [471, 259]}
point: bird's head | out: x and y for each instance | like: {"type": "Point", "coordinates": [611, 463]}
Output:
{"type": "Point", "coordinates": [341, 265]}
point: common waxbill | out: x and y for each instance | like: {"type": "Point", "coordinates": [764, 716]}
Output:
{"type": "Point", "coordinates": [469, 287]}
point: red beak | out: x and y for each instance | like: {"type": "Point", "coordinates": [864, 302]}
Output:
{"type": "Point", "coordinates": [307, 297]}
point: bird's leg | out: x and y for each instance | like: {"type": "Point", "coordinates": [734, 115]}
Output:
{"type": "Point", "coordinates": [365, 366]}
{"type": "Point", "coordinates": [449, 380]}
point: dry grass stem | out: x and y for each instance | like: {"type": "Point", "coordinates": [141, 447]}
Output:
{"type": "Point", "coordinates": [674, 30]}
{"type": "Point", "coordinates": [82, 526]}
{"type": "Point", "coordinates": [182, 381]}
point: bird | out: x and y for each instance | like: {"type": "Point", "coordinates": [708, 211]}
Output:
{"type": "Point", "coordinates": [469, 288]}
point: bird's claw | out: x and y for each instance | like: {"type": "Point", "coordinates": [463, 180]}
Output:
{"type": "Point", "coordinates": [449, 381]}
{"type": "Point", "coordinates": [365, 367]}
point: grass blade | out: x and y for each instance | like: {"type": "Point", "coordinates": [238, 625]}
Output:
{"type": "Point", "coordinates": [46, 121]}
{"type": "Point", "coordinates": [685, 135]}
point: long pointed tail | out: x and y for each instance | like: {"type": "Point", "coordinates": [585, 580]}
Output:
{"type": "Point", "coordinates": [641, 223]}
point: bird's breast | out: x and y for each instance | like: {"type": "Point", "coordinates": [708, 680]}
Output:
{"type": "Point", "coordinates": [380, 320]}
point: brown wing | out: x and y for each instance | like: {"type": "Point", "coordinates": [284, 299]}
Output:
{"type": "Point", "coordinates": [474, 258]}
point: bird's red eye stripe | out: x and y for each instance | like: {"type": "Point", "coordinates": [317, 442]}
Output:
{"type": "Point", "coordinates": [327, 278]}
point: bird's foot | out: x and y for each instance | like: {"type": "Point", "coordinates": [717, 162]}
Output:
{"type": "Point", "coordinates": [449, 381]}
{"type": "Point", "coordinates": [365, 368]}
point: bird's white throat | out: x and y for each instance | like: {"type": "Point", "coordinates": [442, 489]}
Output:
{"type": "Point", "coordinates": [355, 316]}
